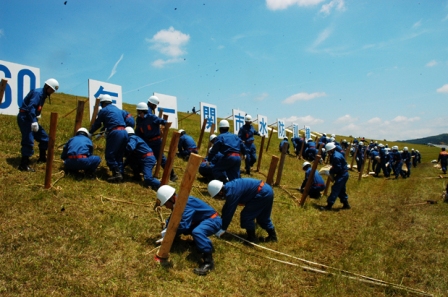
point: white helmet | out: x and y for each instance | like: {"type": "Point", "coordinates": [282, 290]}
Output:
{"type": "Point", "coordinates": [164, 193]}
{"type": "Point", "coordinates": [331, 139]}
{"type": "Point", "coordinates": [213, 136]}
{"type": "Point", "coordinates": [214, 187]}
{"type": "Point", "coordinates": [360, 143]}
{"type": "Point", "coordinates": [305, 164]}
{"type": "Point", "coordinates": [181, 131]}
{"type": "Point", "coordinates": [395, 147]}
{"type": "Point", "coordinates": [52, 83]}
{"type": "Point", "coordinates": [412, 149]}
{"type": "Point", "coordinates": [83, 130]}
{"type": "Point", "coordinates": [380, 145]}
{"type": "Point", "coordinates": [105, 98]}
{"type": "Point", "coordinates": [330, 146]}
{"type": "Point", "coordinates": [142, 106]}
{"type": "Point", "coordinates": [130, 130]}
{"type": "Point", "coordinates": [224, 124]}
{"type": "Point", "coordinates": [332, 135]}
{"type": "Point", "coordinates": [248, 118]}
{"type": "Point", "coordinates": [154, 100]}
{"type": "Point", "coordinates": [405, 149]}
{"type": "Point", "coordinates": [323, 150]}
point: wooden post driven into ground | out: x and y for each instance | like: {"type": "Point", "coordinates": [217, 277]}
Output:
{"type": "Point", "coordinates": [354, 157]}
{"type": "Point", "coordinates": [160, 113]}
{"type": "Point", "coordinates": [3, 85]}
{"type": "Point", "coordinates": [182, 197]}
{"type": "Point", "coordinates": [95, 111]}
{"type": "Point", "coordinates": [50, 153]}
{"type": "Point", "coordinates": [79, 116]}
{"type": "Point", "coordinates": [282, 163]}
{"type": "Point", "coordinates": [327, 185]}
{"type": "Point", "coordinates": [170, 160]}
{"type": "Point", "coordinates": [204, 123]}
{"type": "Point", "coordinates": [301, 148]}
{"type": "Point", "coordinates": [362, 165]}
{"type": "Point", "coordinates": [269, 139]}
{"type": "Point", "coordinates": [260, 154]}
{"type": "Point", "coordinates": [310, 180]}
{"type": "Point", "coordinates": [271, 172]}
{"type": "Point", "coordinates": [162, 147]}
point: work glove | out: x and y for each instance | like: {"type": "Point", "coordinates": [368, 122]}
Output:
{"type": "Point", "coordinates": [35, 127]}
{"type": "Point", "coordinates": [163, 233]}
{"type": "Point", "coordinates": [219, 233]}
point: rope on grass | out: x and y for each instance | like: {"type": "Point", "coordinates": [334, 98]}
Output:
{"type": "Point", "coordinates": [124, 201]}
{"type": "Point", "coordinates": [289, 193]}
{"type": "Point", "coordinates": [345, 273]}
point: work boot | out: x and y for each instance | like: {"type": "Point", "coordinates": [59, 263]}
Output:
{"type": "Point", "coordinates": [346, 205]}
{"type": "Point", "coordinates": [251, 236]}
{"type": "Point", "coordinates": [207, 266]}
{"type": "Point", "coordinates": [248, 171]}
{"type": "Point", "coordinates": [173, 176]}
{"type": "Point", "coordinates": [272, 236]}
{"type": "Point", "coordinates": [116, 178]}
{"type": "Point", "coordinates": [42, 156]}
{"type": "Point", "coordinates": [25, 165]}
{"type": "Point", "coordinates": [326, 208]}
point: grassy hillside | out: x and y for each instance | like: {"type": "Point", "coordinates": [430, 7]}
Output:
{"type": "Point", "coordinates": [73, 240]}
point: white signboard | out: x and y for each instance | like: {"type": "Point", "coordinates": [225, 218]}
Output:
{"type": "Point", "coordinates": [262, 125]}
{"type": "Point", "coordinates": [209, 112]}
{"type": "Point", "coordinates": [307, 132]}
{"type": "Point", "coordinates": [281, 131]}
{"type": "Point", "coordinates": [21, 79]}
{"type": "Point", "coordinates": [169, 105]}
{"type": "Point", "coordinates": [97, 88]}
{"type": "Point", "coordinates": [238, 120]}
{"type": "Point", "coordinates": [295, 130]}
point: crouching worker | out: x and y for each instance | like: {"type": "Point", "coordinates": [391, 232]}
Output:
{"type": "Point", "coordinates": [186, 145]}
{"type": "Point", "coordinates": [78, 154]}
{"type": "Point", "coordinates": [257, 198]}
{"type": "Point", "coordinates": [199, 220]}
{"type": "Point", "coordinates": [140, 158]}
{"type": "Point", "coordinates": [318, 184]}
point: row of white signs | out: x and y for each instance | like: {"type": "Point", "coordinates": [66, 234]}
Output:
{"type": "Point", "coordinates": [22, 79]}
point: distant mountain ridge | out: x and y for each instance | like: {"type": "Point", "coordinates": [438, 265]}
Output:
{"type": "Point", "coordinates": [438, 139]}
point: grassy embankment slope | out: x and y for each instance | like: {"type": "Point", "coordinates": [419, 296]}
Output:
{"type": "Point", "coordinates": [69, 241]}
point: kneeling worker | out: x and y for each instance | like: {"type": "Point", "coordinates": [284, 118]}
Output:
{"type": "Point", "coordinates": [199, 220]}
{"type": "Point", "coordinates": [318, 184]}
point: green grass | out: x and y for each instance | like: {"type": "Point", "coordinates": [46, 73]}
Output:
{"type": "Point", "coordinates": [69, 241]}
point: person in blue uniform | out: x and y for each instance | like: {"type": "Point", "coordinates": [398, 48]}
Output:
{"type": "Point", "coordinates": [280, 146]}
{"type": "Point", "coordinates": [414, 158]}
{"type": "Point", "coordinates": [318, 184]}
{"type": "Point", "coordinates": [199, 220]}
{"type": "Point", "coordinates": [257, 198]}
{"type": "Point", "coordinates": [230, 146]}
{"type": "Point", "coordinates": [406, 157]}
{"type": "Point", "coordinates": [360, 155]}
{"type": "Point", "coordinates": [206, 167]}
{"type": "Point", "coordinates": [375, 157]}
{"type": "Point", "coordinates": [310, 151]}
{"type": "Point", "coordinates": [148, 129]}
{"type": "Point", "coordinates": [140, 158]}
{"type": "Point", "coordinates": [297, 143]}
{"type": "Point", "coordinates": [396, 162]}
{"type": "Point", "coordinates": [246, 134]}
{"type": "Point", "coordinates": [29, 127]}
{"type": "Point", "coordinates": [339, 173]}
{"type": "Point", "coordinates": [186, 145]}
{"type": "Point", "coordinates": [443, 159]}
{"type": "Point", "coordinates": [113, 120]}
{"type": "Point", "coordinates": [78, 154]}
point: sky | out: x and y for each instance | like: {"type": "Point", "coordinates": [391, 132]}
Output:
{"type": "Point", "coordinates": [377, 69]}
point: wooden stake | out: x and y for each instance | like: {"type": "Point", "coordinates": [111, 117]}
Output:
{"type": "Point", "coordinates": [79, 116]}
{"type": "Point", "coordinates": [50, 153]}
{"type": "Point", "coordinates": [282, 162]}
{"type": "Point", "coordinates": [204, 123]}
{"type": "Point", "coordinates": [212, 130]}
{"type": "Point", "coordinates": [95, 111]}
{"type": "Point", "coordinates": [269, 139]}
{"type": "Point", "coordinates": [327, 185]}
{"type": "Point", "coordinates": [170, 160]}
{"type": "Point", "coordinates": [260, 154]}
{"type": "Point", "coordinates": [301, 148]}
{"type": "Point", "coordinates": [182, 197]}
{"type": "Point", "coordinates": [162, 147]}
{"type": "Point", "coordinates": [362, 165]}
{"type": "Point", "coordinates": [310, 180]}
{"type": "Point", "coordinates": [3, 85]}
{"type": "Point", "coordinates": [271, 172]}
